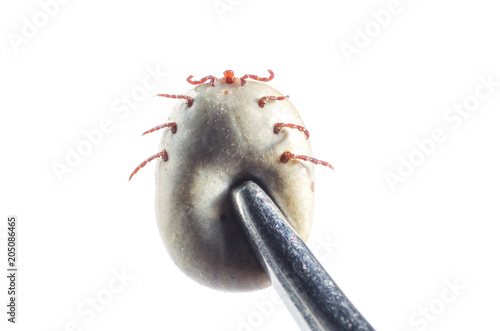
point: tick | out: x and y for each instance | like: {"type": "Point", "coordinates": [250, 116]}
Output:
{"type": "Point", "coordinates": [221, 133]}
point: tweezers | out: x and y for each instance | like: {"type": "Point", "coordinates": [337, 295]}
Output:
{"type": "Point", "coordinates": [309, 293]}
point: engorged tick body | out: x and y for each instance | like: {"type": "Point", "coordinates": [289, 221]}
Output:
{"type": "Point", "coordinates": [227, 131]}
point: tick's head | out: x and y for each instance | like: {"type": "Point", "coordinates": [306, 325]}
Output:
{"type": "Point", "coordinates": [229, 76]}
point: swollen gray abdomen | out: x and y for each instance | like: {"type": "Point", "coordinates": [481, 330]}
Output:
{"type": "Point", "coordinates": [224, 139]}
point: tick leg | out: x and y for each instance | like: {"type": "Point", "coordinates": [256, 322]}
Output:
{"type": "Point", "coordinates": [203, 80]}
{"type": "Point", "coordinates": [189, 99]}
{"type": "Point", "coordinates": [262, 101]}
{"type": "Point", "coordinates": [172, 125]}
{"type": "Point", "coordinates": [163, 154]}
{"type": "Point", "coordinates": [287, 156]}
{"type": "Point", "coordinates": [257, 77]}
{"type": "Point", "coordinates": [279, 126]}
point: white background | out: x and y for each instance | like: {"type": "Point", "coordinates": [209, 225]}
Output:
{"type": "Point", "coordinates": [394, 252]}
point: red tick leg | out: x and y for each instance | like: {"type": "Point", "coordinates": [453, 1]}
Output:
{"type": "Point", "coordinates": [172, 125]}
{"type": "Point", "coordinates": [203, 80]}
{"type": "Point", "coordinates": [287, 156]}
{"type": "Point", "coordinates": [189, 99]}
{"type": "Point", "coordinates": [279, 126]}
{"type": "Point", "coordinates": [257, 77]}
{"type": "Point", "coordinates": [163, 154]}
{"type": "Point", "coordinates": [262, 101]}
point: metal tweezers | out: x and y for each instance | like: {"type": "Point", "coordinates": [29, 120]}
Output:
{"type": "Point", "coordinates": [309, 293]}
